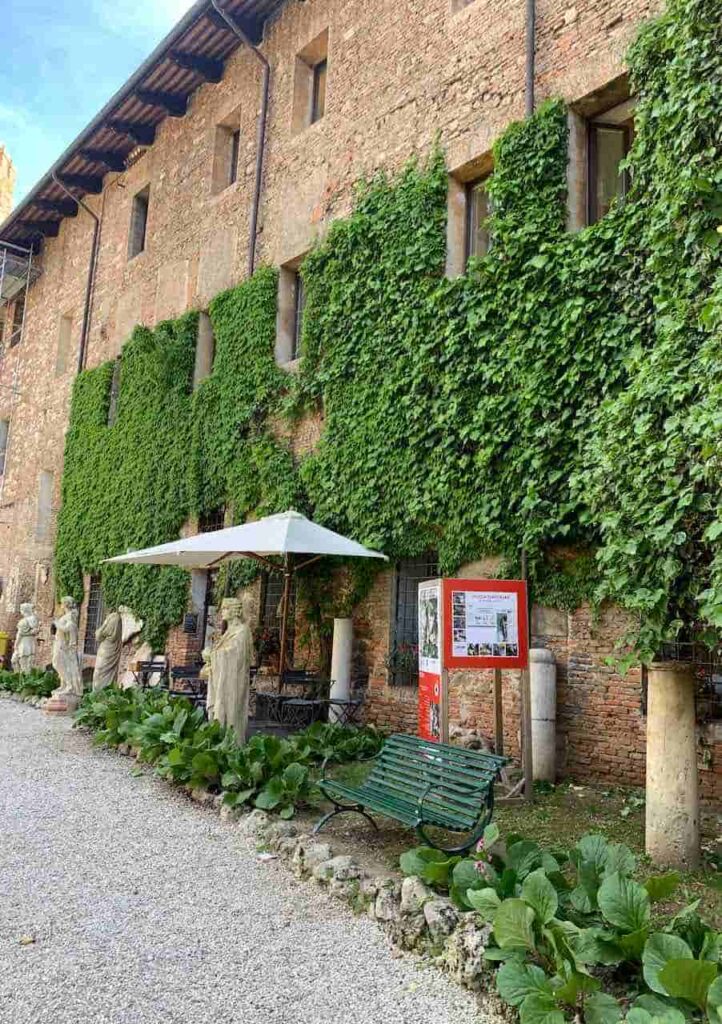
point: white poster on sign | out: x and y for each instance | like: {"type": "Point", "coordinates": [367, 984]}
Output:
{"type": "Point", "coordinates": [485, 624]}
{"type": "Point", "coordinates": [429, 627]}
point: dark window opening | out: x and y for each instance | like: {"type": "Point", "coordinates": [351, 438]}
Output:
{"type": "Point", "coordinates": [214, 519]}
{"type": "Point", "coordinates": [478, 210]}
{"type": "Point", "coordinates": [4, 430]}
{"type": "Point", "coordinates": [403, 660]}
{"type": "Point", "coordinates": [95, 616]}
{"type": "Point", "coordinates": [299, 303]}
{"type": "Point", "coordinates": [270, 632]}
{"type": "Point", "coordinates": [234, 151]}
{"type": "Point", "coordinates": [318, 98]}
{"type": "Point", "coordinates": [16, 328]}
{"type": "Point", "coordinates": [609, 145]}
{"type": "Point", "coordinates": [138, 222]}
{"type": "Point", "coordinates": [114, 394]}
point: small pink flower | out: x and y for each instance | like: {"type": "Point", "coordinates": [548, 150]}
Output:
{"type": "Point", "coordinates": [480, 868]}
{"type": "Point", "coordinates": [480, 846]}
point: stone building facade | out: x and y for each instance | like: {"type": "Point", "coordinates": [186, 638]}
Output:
{"type": "Point", "coordinates": [396, 76]}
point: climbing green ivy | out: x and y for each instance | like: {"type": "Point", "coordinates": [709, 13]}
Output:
{"type": "Point", "coordinates": [562, 395]}
{"type": "Point", "coordinates": [564, 391]}
{"type": "Point", "coordinates": [124, 485]}
{"type": "Point", "coordinates": [172, 453]}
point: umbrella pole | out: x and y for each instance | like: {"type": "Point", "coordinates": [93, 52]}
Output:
{"type": "Point", "coordinates": [285, 600]}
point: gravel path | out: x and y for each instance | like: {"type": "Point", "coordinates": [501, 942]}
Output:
{"type": "Point", "coordinates": [145, 908]}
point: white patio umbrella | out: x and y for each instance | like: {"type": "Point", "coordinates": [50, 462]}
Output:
{"type": "Point", "coordinates": [288, 534]}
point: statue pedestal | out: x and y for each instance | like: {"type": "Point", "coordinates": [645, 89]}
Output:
{"type": "Point", "coordinates": [63, 704]}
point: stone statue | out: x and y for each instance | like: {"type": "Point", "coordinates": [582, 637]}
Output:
{"type": "Point", "coordinates": [26, 641]}
{"type": "Point", "coordinates": [110, 645]}
{"type": "Point", "coordinates": [228, 669]}
{"type": "Point", "coordinates": [65, 651]}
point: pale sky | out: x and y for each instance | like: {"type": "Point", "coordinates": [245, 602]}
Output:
{"type": "Point", "coordinates": [59, 64]}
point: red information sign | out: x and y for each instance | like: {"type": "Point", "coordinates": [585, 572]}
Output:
{"type": "Point", "coordinates": [430, 675]}
{"type": "Point", "coordinates": [430, 706]}
{"type": "Point", "coordinates": [485, 624]}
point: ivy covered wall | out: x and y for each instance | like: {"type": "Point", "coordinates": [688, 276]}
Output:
{"type": "Point", "coordinates": [564, 391]}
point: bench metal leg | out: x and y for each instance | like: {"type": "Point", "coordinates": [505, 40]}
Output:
{"type": "Point", "coordinates": [342, 810]}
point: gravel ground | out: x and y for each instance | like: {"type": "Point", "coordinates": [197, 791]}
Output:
{"type": "Point", "coordinates": [145, 908]}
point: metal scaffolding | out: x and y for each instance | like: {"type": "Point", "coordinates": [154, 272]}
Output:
{"type": "Point", "coordinates": [17, 273]}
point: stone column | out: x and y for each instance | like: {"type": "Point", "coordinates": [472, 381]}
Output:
{"type": "Point", "coordinates": [341, 663]}
{"type": "Point", "coordinates": [672, 812]}
{"type": "Point", "coordinates": [543, 682]}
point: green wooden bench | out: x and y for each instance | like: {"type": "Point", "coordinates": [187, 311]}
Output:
{"type": "Point", "coordinates": [423, 784]}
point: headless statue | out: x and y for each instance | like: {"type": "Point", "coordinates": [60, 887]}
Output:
{"type": "Point", "coordinates": [65, 651]}
{"type": "Point", "coordinates": [26, 641]}
{"type": "Point", "coordinates": [228, 670]}
{"type": "Point", "coordinates": [110, 645]}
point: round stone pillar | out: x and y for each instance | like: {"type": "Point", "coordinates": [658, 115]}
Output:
{"type": "Point", "coordinates": [543, 684]}
{"type": "Point", "coordinates": [672, 810]}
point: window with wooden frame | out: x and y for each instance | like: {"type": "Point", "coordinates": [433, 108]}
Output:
{"type": "Point", "coordinates": [138, 222]}
{"type": "Point", "coordinates": [608, 146]}
{"type": "Point", "coordinates": [403, 660]}
{"type": "Point", "coordinates": [96, 614]}
{"type": "Point", "coordinates": [478, 211]}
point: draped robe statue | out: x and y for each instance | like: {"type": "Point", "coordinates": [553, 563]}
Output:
{"type": "Point", "coordinates": [23, 659]}
{"type": "Point", "coordinates": [228, 670]}
{"type": "Point", "coordinates": [65, 651]}
{"type": "Point", "coordinates": [110, 645]}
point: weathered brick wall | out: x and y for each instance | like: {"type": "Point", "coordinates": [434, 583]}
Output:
{"type": "Point", "coordinates": [399, 74]}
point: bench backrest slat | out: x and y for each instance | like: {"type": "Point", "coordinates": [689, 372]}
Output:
{"type": "Point", "coordinates": [460, 778]}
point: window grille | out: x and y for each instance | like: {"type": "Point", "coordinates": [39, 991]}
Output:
{"type": "Point", "coordinates": [403, 657]}
{"type": "Point", "coordinates": [95, 616]}
{"type": "Point", "coordinates": [213, 520]}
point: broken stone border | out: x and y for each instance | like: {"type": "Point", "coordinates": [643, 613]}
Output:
{"type": "Point", "coordinates": [413, 917]}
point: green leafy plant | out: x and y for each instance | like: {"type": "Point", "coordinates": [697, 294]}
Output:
{"type": "Point", "coordinates": [32, 684]}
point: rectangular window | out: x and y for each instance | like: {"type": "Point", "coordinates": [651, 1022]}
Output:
{"type": "Point", "coordinates": [114, 394]}
{"type": "Point", "coordinates": [310, 82]}
{"type": "Point", "coordinates": [478, 210]}
{"type": "Point", "coordinates": [609, 145]}
{"type": "Point", "coordinates": [226, 152]}
{"type": "Point", "coordinates": [95, 616]}
{"type": "Point", "coordinates": [318, 99]}
{"type": "Point", "coordinates": [298, 308]}
{"type": "Point", "coordinates": [45, 507]}
{"type": "Point", "coordinates": [4, 431]}
{"type": "Point", "coordinates": [235, 148]}
{"type": "Point", "coordinates": [403, 657]}
{"type": "Point", "coordinates": [65, 338]}
{"type": "Point", "coordinates": [138, 222]}
{"type": "Point", "coordinates": [16, 329]}
{"type": "Point", "coordinates": [213, 520]}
